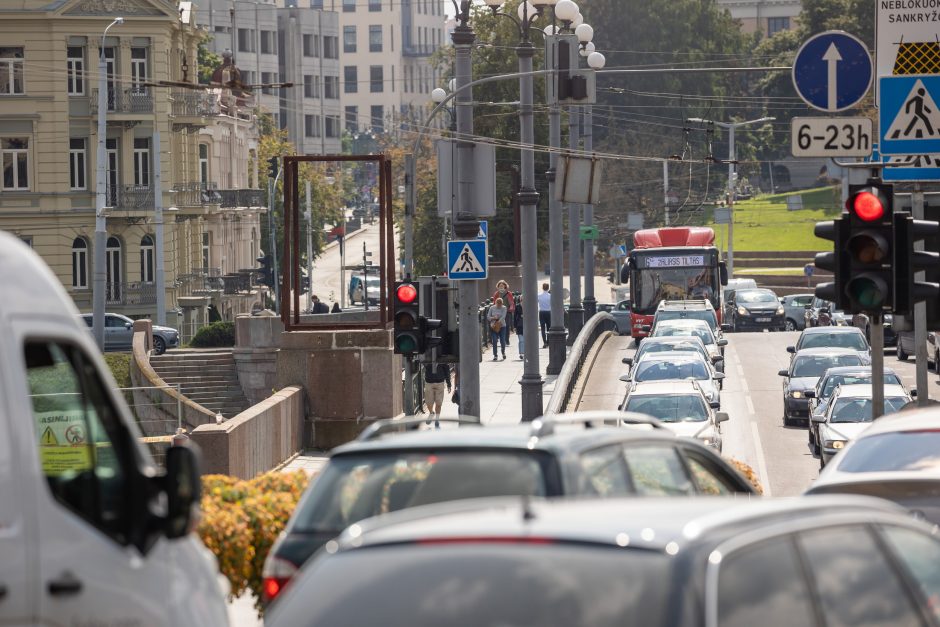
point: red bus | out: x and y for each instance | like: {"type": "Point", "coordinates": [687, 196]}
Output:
{"type": "Point", "coordinates": [672, 263]}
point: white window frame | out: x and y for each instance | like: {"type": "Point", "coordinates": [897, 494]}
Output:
{"type": "Point", "coordinates": [12, 67]}
{"type": "Point", "coordinates": [146, 259]}
{"type": "Point", "coordinates": [13, 155]}
{"type": "Point", "coordinates": [76, 71]}
{"type": "Point", "coordinates": [142, 163]}
{"type": "Point", "coordinates": [78, 169]}
{"type": "Point", "coordinates": [204, 165]}
{"type": "Point", "coordinates": [80, 264]}
{"type": "Point", "coordinates": [139, 70]}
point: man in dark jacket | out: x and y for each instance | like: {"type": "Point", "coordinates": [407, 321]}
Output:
{"type": "Point", "coordinates": [517, 326]}
{"type": "Point", "coordinates": [318, 307]}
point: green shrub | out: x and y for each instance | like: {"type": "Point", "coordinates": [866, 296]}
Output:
{"type": "Point", "coordinates": [215, 334]}
{"type": "Point", "coordinates": [120, 365]}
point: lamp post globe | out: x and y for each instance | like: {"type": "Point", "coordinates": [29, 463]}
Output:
{"type": "Point", "coordinates": [587, 49]}
{"type": "Point", "coordinates": [452, 84]}
{"type": "Point", "coordinates": [596, 60]}
{"type": "Point", "coordinates": [527, 12]}
{"type": "Point", "coordinates": [577, 21]}
{"type": "Point", "coordinates": [551, 29]}
{"type": "Point", "coordinates": [584, 32]}
{"type": "Point", "coordinates": [566, 10]}
{"type": "Point", "coordinates": [438, 94]}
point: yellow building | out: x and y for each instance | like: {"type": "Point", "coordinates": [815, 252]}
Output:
{"type": "Point", "coordinates": [49, 53]}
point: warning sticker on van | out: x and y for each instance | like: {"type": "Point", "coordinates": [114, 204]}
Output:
{"type": "Point", "coordinates": [63, 443]}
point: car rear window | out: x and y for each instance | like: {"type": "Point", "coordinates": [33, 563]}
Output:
{"type": "Point", "coordinates": [670, 407]}
{"type": "Point", "coordinates": [661, 370]}
{"type": "Point", "coordinates": [899, 451]}
{"type": "Point", "coordinates": [851, 341]}
{"type": "Point", "coordinates": [852, 379]}
{"type": "Point", "coordinates": [859, 409]}
{"type": "Point", "coordinates": [817, 365]}
{"type": "Point", "coordinates": [550, 585]}
{"type": "Point", "coordinates": [353, 487]}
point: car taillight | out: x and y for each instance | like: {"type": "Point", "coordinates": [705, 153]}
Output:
{"type": "Point", "coordinates": [276, 574]}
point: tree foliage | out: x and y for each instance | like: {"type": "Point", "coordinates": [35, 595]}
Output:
{"type": "Point", "coordinates": [207, 61]}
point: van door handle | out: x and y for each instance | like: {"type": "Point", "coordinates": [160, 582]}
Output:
{"type": "Point", "coordinates": [66, 584]}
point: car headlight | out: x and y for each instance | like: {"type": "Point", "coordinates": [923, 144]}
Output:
{"type": "Point", "coordinates": [780, 311]}
{"type": "Point", "coordinates": [742, 311]}
{"type": "Point", "coordinates": [836, 444]}
{"type": "Point", "coordinates": [796, 394]}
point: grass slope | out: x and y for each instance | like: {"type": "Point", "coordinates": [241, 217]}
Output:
{"type": "Point", "coordinates": [763, 223]}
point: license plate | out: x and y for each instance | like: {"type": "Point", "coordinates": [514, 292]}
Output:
{"type": "Point", "coordinates": [762, 319]}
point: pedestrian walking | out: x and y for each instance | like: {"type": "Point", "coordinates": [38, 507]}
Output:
{"type": "Point", "coordinates": [545, 313]}
{"type": "Point", "coordinates": [498, 327]}
{"type": "Point", "coordinates": [503, 291]}
{"type": "Point", "coordinates": [517, 325]}
{"type": "Point", "coordinates": [436, 378]}
{"type": "Point", "coordinates": [336, 308]}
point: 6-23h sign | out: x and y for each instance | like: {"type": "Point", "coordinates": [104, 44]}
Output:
{"type": "Point", "coordinates": [831, 137]}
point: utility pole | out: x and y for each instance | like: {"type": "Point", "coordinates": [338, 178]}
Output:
{"type": "Point", "coordinates": [410, 202]}
{"type": "Point", "coordinates": [665, 194]}
{"type": "Point", "coordinates": [309, 216]}
{"type": "Point", "coordinates": [920, 310]}
{"type": "Point", "coordinates": [271, 241]}
{"type": "Point", "coordinates": [556, 332]}
{"type": "Point", "coordinates": [160, 270]}
{"type": "Point", "coordinates": [590, 303]}
{"type": "Point", "coordinates": [575, 312]}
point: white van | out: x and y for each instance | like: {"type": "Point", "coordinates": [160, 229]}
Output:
{"type": "Point", "coordinates": [91, 533]}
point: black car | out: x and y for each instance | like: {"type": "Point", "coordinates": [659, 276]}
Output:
{"type": "Point", "coordinates": [551, 457]}
{"type": "Point", "coordinates": [803, 374]}
{"type": "Point", "coordinates": [755, 310]}
{"type": "Point", "coordinates": [693, 562]}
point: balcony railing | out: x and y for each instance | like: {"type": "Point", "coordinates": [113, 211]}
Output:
{"type": "Point", "coordinates": [130, 197]}
{"type": "Point", "coordinates": [242, 198]}
{"type": "Point", "coordinates": [201, 283]}
{"type": "Point", "coordinates": [194, 103]}
{"type": "Point", "coordinates": [130, 293]}
{"type": "Point", "coordinates": [121, 99]}
{"type": "Point", "coordinates": [193, 194]}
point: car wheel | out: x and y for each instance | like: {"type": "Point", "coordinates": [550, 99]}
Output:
{"type": "Point", "coordinates": [159, 345]}
{"type": "Point", "coordinates": [786, 420]}
{"type": "Point", "coordinates": [789, 325]}
{"type": "Point", "coordinates": [812, 443]}
{"type": "Point", "coordinates": [901, 354]}
{"type": "Point", "coordinates": [822, 461]}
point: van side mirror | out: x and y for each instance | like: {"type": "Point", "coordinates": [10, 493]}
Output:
{"type": "Point", "coordinates": [722, 273]}
{"type": "Point", "coordinates": [625, 378]}
{"type": "Point", "coordinates": [810, 393]}
{"type": "Point", "coordinates": [791, 349]}
{"type": "Point", "coordinates": [714, 404]}
{"type": "Point", "coordinates": [783, 373]}
{"type": "Point", "coordinates": [182, 484]}
{"type": "Point", "coordinates": [721, 416]}
{"type": "Point", "coordinates": [627, 360]}
{"type": "Point", "coordinates": [718, 376]}
{"type": "Point", "coordinates": [725, 326]}
{"type": "Point", "coordinates": [818, 418]}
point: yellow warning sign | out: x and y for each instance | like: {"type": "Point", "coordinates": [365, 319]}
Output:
{"type": "Point", "coordinates": [63, 448]}
{"type": "Point", "coordinates": [917, 57]}
{"type": "Point", "coordinates": [48, 438]}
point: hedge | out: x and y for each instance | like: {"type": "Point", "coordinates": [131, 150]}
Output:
{"type": "Point", "coordinates": [241, 519]}
{"type": "Point", "coordinates": [213, 335]}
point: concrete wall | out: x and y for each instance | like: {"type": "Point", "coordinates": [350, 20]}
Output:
{"type": "Point", "coordinates": [256, 440]}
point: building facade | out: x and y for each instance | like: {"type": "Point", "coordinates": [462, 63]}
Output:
{"type": "Point", "coordinates": [767, 16]}
{"type": "Point", "coordinates": [48, 138]}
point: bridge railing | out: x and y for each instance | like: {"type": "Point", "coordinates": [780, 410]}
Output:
{"type": "Point", "coordinates": [597, 325]}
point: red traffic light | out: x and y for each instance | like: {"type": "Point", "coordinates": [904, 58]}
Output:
{"type": "Point", "coordinates": [406, 293]}
{"type": "Point", "coordinates": [867, 206]}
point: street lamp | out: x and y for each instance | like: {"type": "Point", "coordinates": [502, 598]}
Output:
{"type": "Point", "coordinates": [101, 229]}
{"type": "Point", "coordinates": [531, 382]}
{"type": "Point", "coordinates": [731, 126]}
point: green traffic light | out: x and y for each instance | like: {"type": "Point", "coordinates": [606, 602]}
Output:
{"type": "Point", "coordinates": [406, 344]}
{"type": "Point", "coordinates": [866, 292]}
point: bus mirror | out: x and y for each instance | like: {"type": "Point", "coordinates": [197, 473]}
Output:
{"type": "Point", "coordinates": [723, 272]}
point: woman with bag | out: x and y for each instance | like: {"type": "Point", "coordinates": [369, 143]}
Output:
{"type": "Point", "coordinates": [503, 291]}
{"type": "Point", "coordinates": [517, 325]}
{"type": "Point", "coordinates": [498, 329]}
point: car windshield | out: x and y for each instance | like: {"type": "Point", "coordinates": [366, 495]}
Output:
{"type": "Point", "coordinates": [496, 583]}
{"type": "Point", "coordinates": [661, 347]}
{"type": "Point", "coordinates": [670, 407]}
{"type": "Point", "coordinates": [702, 332]}
{"type": "Point", "coordinates": [851, 341]}
{"type": "Point", "coordinates": [897, 451]}
{"type": "Point", "coordinates": [817, 365]}
{"type": "Point", "coordinates": [853, 379]}
{"type": "Point", "coordinates": [353, 487]}
{"type": "Point", "coordinates": [660, 370]}
{"type": "Point", "coordinates": [706, 315]}
{"type": "Point", "coordinates": [747, 297]}
{"type": "Point", "coordinates": [859, 409]}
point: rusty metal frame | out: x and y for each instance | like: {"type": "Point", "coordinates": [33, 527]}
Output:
{"type": "Point", "coordinates": [291, 250]}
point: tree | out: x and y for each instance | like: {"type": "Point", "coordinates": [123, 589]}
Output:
{"type": "Point", "coordinates": [207, 61]}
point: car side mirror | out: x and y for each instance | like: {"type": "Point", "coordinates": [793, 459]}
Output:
{"type": "Point", "coordinates": [810, 306]}
{"type": "Point", "coordinates": [722, 342]}
{"type": "Point", "coordinates": [627, 360]}
{"type": "Point", "coordinates": [714, 404]}
{"type": "Point", "coordinates": [182, 484]}
{"type": "Point", "coordinates": [913, 393]}
{"type": "Point", "coordinates": [783, 373]}
{"type": "Point", "coordinates": [625, 378]}
{"type": "Point", "coordinates": [725, 327]}
{"type": "Point", "coordinates": [791, 349]}
{"type": "Point", "coordinates": [719, 376]}
{"type": "Point", "coordinates": [810, 393]}
{"type": "Point", "coordinates": [717, 358]}
{"type": "Point", "coordinates": [721, 416]}
{"type": "Point", "coordinates": [818, 418]}
{"type": "Point", "coordinates": [645, 328]}
{"type": "Point", "coordinates": [128, 325]}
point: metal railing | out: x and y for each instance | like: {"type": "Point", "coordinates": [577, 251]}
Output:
{"type": "Point", "coordinates": [242, 198]}
{"type": "Point", "coordinates": [130, 293]}
{"type": "Point", "coordinates": [158, 417]}
{"type": "Point", "coordinates": [134, 99]}
{"type": "Point", "coordinates": [599, 323]}
{"type": "Point", "coordinates": [190, 103]}
{"type": "Point", "coordinates": [200, 283]}
{"type": "Point", "coordinates": [193, 194]}
{"type": "Point", "coordinates": [132, 197]}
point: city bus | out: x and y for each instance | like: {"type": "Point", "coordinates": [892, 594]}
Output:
{"type": "Point", "coordinates": [672, 263]}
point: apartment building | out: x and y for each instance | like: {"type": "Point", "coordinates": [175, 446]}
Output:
{"type": "Point", "coordinates": [48, 137]}
{"type": "Point", "coordinates": [275, 44]}
{"type": "Point", "coordinates": [767, 16]}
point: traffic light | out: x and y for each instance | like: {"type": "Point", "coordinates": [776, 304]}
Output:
{"type": "Point", "coordinates": [907, 261]}
{"type": "Point", "coordinates": [868, 246]}
{"type": "Point", "coordinates": [304, 284]}
{"type": "Point", "coordinates": [265, 274]}
{"type": "Point", "coordinates": [573, 85]}
{"type": "Point", "coordinates": [272, 167]}
{"type": "Point", "coordinates": [836, 262]}
{"type": "Point", "coordinates": [407, 327]}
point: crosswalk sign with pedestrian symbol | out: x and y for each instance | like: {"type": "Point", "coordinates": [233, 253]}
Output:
{"type": "Point", "coordinates": [466, 259]}
{"type": "Point", "coordinates": [909, 116]}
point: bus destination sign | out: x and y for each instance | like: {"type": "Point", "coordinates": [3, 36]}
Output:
{"type": "Point", "coordinates": [674, 261]}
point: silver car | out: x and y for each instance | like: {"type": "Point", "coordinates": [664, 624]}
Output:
{"type": "Point", "coordinates": [681, 406]}
{"type": "Point", "coordinates": [698, 328]}
{"type": "Point", "coordinates": [119, 334]}
{"type": "Point", "coordinates": [679, 343]}
{"type": "Point", "coordinates": [794, 310]}
{"type": "Point", "coordinates": [672, 366]}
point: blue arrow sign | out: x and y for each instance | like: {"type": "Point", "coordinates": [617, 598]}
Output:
{"type": "Point", "coordinates": [466, 259]}
{"type": "Point", "coordinates": [832, 71]}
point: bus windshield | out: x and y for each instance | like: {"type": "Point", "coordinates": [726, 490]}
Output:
{"type": "Point", "coordinates": [652, 285]}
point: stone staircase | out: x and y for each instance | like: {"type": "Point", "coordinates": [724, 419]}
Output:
{"type": "Point", "coordinates": [205, 377]}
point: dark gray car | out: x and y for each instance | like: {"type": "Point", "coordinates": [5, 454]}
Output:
{"type": "Point", "coordinates": [119, 334]}
{"type": "Point", "coordinates": [794, 310]}
{"type": "Point", "coordinates": [833, 560]}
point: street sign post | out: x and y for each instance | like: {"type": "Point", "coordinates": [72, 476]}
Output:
{"type": "Point", "coordinates": [832, 71]}
{"type": "Point", "coordinates": [909, 120]}
{"type": "Point", "coordinates": [831, 137]}
{"type": "Point", "coordinates": [467, 259]}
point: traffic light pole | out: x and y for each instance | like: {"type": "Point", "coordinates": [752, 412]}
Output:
{"type": "Point", "coordinates": [272, 242]}
{"type": "Point", "coordinates": [920, 310]}
{"type": "Point", "coordinates": [877, 365]}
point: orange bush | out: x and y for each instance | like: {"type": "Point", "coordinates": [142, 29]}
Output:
{"type": "Point", "coordinates": [748, 473]}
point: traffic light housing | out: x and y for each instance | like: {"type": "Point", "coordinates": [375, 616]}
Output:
{"type": "Point", "coordinates": [869, 244]}
{"type": "Point", "coordinates": [408, 336]}
{"type": "Point", "coordinates": [572, 84]}
{"type": "Point", "coordinates": [836, 262]}
{"type": "Point", "coordinates": [907, 261]}
{"type": "Point", "coordinates": [265, 274]}
{"type": "Point", "coordinates": [272, 167]}
{"type": "Point", "coordinates": [304, 284]}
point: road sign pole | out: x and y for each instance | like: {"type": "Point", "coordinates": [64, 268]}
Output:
{"type": "Point", "coordinates": [575, 310]}
{"type": "Point", "coordinates": [920, 309]}
{"type": "Point", "coordinates": [556, 226]}
{"type": "Point", "coordinates": [877, 366]}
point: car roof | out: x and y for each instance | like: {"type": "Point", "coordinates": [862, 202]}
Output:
{"type": "Point", "coordinates": [673, 356]}
{"type": "Point", "coordinates": [650, 523]}
{"type": "Point", "coordinates": [671, 339]}
{"type": "Point", "coordinates": [791, 296]}
{"type": "Point", "coordinates": [827, 350]}
{"type": "Point", "coordinates": [663, 388]}
{"type": "Point", "coordinates": [918, 419]}
{"type": "Point", "coordinates": [864, 390]}
{"type": "Point", "coordinates": [818, 330]}
{"type": "Point", "coordinates": [851, 369]}
{"type": "Point", "coordinates": [754, 289]}
{"type": "Point", "coordinates": [566, 436]}
{"type": "Point", "coordinates": [682, 322]}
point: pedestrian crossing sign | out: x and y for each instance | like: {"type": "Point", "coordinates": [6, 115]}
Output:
{"type": "Point", "coordinates": [909, 116]}
{"type": "Point", "coordinates": [467, 259]}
